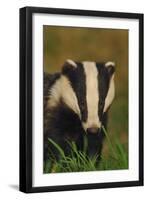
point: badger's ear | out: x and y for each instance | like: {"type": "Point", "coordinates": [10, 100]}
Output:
{"type": "Point", "coordinates": [110, 67]}
{"type": "Point", "coordinates": [68, 66]}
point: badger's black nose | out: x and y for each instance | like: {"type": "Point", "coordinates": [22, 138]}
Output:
{"type": "Point", "coordinates": [92, 130]}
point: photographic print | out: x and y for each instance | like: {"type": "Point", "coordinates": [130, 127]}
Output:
{"type": "Point", "coordinates": [85, 71]}
{"type": "Point", "coordinates": [81, 99]}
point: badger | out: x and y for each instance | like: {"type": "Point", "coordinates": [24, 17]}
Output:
{"type": "Point", "coordinates": [76, 103]}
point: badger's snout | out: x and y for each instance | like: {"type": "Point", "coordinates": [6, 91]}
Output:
{"type": "Point", "coordinates": [93, 130]}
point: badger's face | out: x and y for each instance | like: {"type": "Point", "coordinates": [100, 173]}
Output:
{"type": "Point", "coordinates": [88, 89]}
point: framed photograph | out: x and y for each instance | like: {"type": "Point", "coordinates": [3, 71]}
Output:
{"type": "Point", "coordinates": [81, 99]}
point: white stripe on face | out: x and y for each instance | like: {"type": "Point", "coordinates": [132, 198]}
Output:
{"type": "Point", "coordinates": [63, 90]}
{"type": "Point", "coordinates": [92, 95]}
{"type": "Point", "coordinates": [110, 94]}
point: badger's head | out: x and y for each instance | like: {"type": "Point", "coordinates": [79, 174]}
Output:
{"type": "Point", "coordinates": [87, 88]}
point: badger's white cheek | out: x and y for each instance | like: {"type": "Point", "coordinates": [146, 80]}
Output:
{"type": "Point", "coordinates": [68, 96]}
{"type": "Point", "coordinates": [63, 90]}
{"type": "Point", "coordinates": [110, 95]}
{"type": "Point", "coordinates": [72, 103]}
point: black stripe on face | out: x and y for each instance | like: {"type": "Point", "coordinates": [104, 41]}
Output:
{"type": "Point", "coordinates": [103, 86]}
{"type": "Point", "coordinates": [77, 79]}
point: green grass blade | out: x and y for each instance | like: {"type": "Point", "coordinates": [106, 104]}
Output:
{"type": "Point", "coordinates": [57, 147]}
{"type": "Point", "coordinates": [85, 144]}
{"type": "Point", "coordinates": [110, 143]}
{"type": "Point", "coordinates": [122, 154]}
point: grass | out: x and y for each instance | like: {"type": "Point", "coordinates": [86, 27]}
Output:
{"type": "Point", "coordinates": [117, 158]}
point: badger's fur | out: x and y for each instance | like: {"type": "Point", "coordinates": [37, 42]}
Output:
{"type": "Point", "coordinates": [76, 102]}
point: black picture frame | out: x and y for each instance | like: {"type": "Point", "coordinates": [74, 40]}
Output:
{"type": "Point", "coordinates": [26, 14]}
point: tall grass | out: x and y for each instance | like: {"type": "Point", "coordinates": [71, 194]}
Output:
{"type": "Point", "coordinates": [77, 161]}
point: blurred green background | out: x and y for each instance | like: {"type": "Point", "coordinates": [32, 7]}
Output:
{"type": "Point", "coordinates": [93, 44]}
